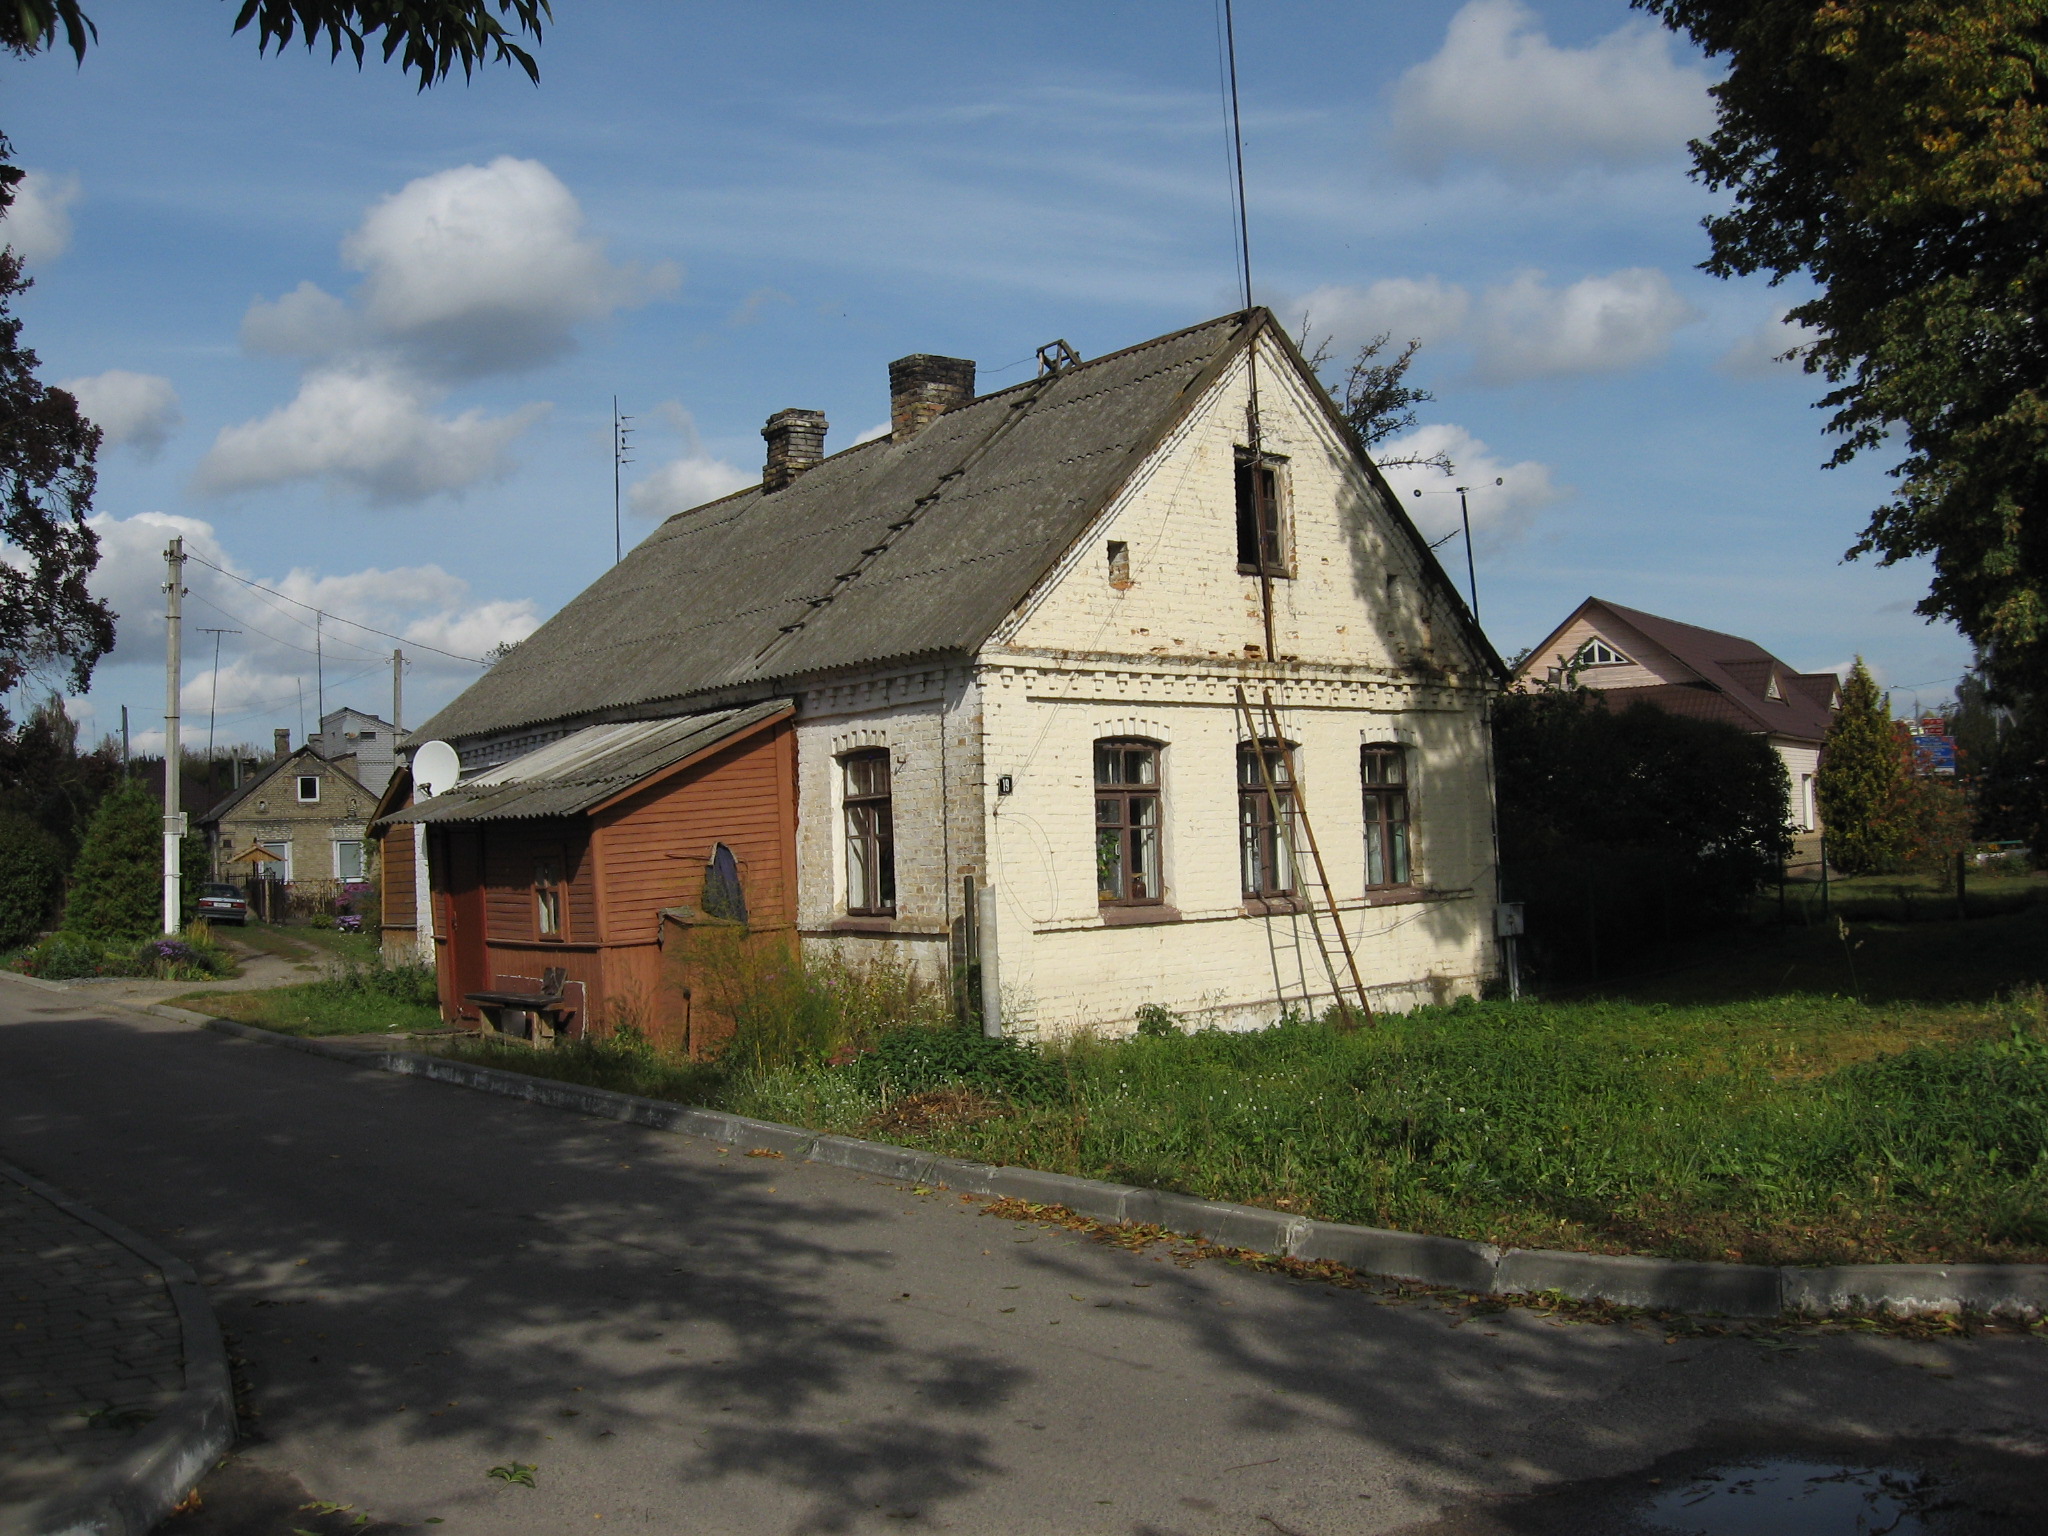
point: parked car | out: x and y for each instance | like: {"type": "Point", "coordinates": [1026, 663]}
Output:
{"type": "Point", "coordinates": [223, 904]}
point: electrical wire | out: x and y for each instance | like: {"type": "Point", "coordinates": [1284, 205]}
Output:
{"type": "Point", "coordinates": [475, 661]}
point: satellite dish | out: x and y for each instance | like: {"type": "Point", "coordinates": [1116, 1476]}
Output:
{"type": "Point", "coordinates": [435, 768]}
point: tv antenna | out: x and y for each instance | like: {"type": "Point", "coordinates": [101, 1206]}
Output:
{"type": "Point", "coordinates": [1465, 519]}
{"type": "Point", "coordinates": [622, 455]}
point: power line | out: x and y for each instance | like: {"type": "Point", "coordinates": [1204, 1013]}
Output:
{"type": "Point", "coordinates": [475, 661]}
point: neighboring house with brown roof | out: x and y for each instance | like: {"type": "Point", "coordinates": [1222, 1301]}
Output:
{"type": "Point", "coordinates": [999, 648]}
{"type": "Point", "coordinates": [310, 812]}
{"type": "Point", "coordinates": [1634, 657]}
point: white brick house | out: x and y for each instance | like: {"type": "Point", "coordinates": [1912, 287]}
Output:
{"type": "Point", "coordinates": [1017, 597]}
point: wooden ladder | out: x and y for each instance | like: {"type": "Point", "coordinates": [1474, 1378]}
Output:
{"type": "Point", "coordinates": [1315, 888]}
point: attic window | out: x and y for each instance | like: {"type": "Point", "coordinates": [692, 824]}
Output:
{"type": "Point", "coordinates": [367, 736]}
{"type": "Point", "coordinates": [1598, 653]}
{"type": "Point", "coordinates": [1771, 688]}
{"type": "Point", "coordinates": [309, 788]}
{"type": "Point", "coordinates": [1261, 526]}
{"type": "Point", "coordinates": [1119, 565]}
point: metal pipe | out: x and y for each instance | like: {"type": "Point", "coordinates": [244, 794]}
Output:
{"type": "Point", "coordinates": [991, 981]}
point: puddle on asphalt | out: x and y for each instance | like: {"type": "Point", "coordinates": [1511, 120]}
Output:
{"type": "Point", "coordinates": [1798, 1498]}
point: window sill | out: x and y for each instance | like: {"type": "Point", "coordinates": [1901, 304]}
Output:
{"type": "Point", "coordinates": [1278, 573]}
{"type": "Point", "coordinates": [862, 925]}
{"type": "Point", "coordinates": [1399, 895]}
{"type": "Point", "coordinates": [1273, 906]}
{"type": "Point", "coordinates": [1139, 916]}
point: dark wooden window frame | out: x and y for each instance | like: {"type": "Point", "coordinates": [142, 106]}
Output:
{"type": "Point", "coordinates": [1258, 843]}
{"type": "Point", "coordinates": [1133, 813]}
{"type": "Point", "coordinates": [1387, 815]}
{"type": "Point", "coordinates": [1253, 477]}
{"type": "Point", "coordinates": [868, 820]}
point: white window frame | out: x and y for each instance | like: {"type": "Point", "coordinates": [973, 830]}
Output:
{"type": "Point", "coordinates": [362, 864]}
{"type": "Point", "coordinates": [303, 780]}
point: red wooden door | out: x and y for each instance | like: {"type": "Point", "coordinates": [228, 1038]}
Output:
{"type": "Point", "coordinates": [469, 960]}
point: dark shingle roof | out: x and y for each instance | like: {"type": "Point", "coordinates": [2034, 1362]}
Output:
{"type": "Point", "coordinates": [586, 768]}
{"type": "Point", "coordinates": [1740, 670]}
{"type": "Point", "coordinates": [886, 550]}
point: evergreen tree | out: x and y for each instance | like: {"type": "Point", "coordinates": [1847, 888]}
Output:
{"type": "Point", "coordinates": [31, 869]}
{"type": "Point", "coordinates": [1862, 779]}
{"type": "Point", "coordinates": [117, 884]}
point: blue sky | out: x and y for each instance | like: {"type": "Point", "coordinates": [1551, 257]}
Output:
{"type": "Point", "coordinates": [359, 344]}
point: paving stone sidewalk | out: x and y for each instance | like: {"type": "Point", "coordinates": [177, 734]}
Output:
{"type": "Point", "coordinates": [90, 1348]}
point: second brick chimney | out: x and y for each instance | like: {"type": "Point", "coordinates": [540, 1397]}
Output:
{"type": "Point", "coordinates": [796, 442]}
{"type": "Point", "coordinates": [281, 738]}
{"type": "Point", "coordinates": [923, 388]}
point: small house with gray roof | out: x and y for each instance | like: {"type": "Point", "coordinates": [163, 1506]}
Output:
{"type": "Point", "coordinates": [1053, 681]}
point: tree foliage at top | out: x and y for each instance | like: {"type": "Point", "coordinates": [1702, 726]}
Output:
{"type": "Point", "coordinates": [428, 38]}
{"type": "Point", "coordinates": [1621, 829]}
{"type": "Point", "coordinates": [1896, 151]}
{"type": "Point", "coordinates": [1375, 398]}
{"type": "Point", "coordinates": [45, 777]}
{"type": "Point", "coordinates": [1862, 780]}
{"type": "Point", "coordinates": [47, 477]}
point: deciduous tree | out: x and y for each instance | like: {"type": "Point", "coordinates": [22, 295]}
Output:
{"type": "Point", "coordinates": [1896, 152]}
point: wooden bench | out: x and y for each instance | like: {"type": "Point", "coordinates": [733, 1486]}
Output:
{"type": "Point", "coordinates": [538, 1017]}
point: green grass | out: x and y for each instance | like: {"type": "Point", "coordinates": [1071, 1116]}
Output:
{"type": "Point", "coordinates": [1748, 1102]}
{"type": "Point", "coordinates": [352, 999]}
{"type": "Point", "coordinates": [302, 943]}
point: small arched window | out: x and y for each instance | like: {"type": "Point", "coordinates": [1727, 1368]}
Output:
{"type": "Point", "coordinates": [723, 896]}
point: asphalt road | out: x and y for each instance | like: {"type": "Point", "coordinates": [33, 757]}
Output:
{"type": "Point", "coordinates": [428, 1282]}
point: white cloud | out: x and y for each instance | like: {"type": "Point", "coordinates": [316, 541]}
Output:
{"type": "Point", "coordinates": [137, 408]}
{"type": "Point", "coordinates": [687, 482]}
{"type": "Point", "coordinates": [1499, 90]}
{"type": "Point", "coordinates": [38, 225]}
{"type": "Point", "coordinates": [1525, 330]}
{"type": "Point", "coordinates": [264, 666]}
{"type": "Point", "coordinates": [691, 478]}
{"type": "Point", "coordinates": [368, 430]}
{"type": "Point", "coordinates": [1761, 353]}
{"type": "Point", "coordinates": [308, 322]}
{"type": "Point", "coordinates": [1501, 513]}
{"type": "Point", "coordinates": [1425, 309]}
{"type": "Point", "coordinates": [872, 433]}
{"type": "Point", "coordinates": [484, 268]}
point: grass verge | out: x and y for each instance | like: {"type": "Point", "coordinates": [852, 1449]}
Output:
{"type": "Point", "coordinates": [352, 999]}
{"type": "Point", "coordinates": [1898, 1114]}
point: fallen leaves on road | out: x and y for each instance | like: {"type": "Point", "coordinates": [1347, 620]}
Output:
{"type": "Point", "coordinates": [520, 1472]}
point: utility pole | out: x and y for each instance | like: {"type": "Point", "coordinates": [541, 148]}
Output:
{"type": "Point", "coordinates": [213, 699]}
{"type": "Point", "coordinates": [397, 691]}
{"type": "Point", "coordinates": [319, 672]}
{"type": "Point", "coordinates": [124, 741]}
{"type": "Point", "coordinates": [174, 817]}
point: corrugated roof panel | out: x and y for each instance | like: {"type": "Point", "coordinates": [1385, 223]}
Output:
{"type": "Point", "coordinates": [586, 768]}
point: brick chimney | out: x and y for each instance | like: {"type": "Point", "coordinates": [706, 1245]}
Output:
{"type": "Point", "coordinates": [282, 738]}
{"type": "Point", "coordinates": [796, 441]}
{"type": "Point", "coordinates": [923, 388]}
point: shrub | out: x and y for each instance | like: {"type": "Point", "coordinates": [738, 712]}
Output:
{"type": "Point", "coordinates": [117, 883]}
{"type": "Point", "coordinates": [31, 869]}
{"type": "Point", "coordinates": [919, 1059]}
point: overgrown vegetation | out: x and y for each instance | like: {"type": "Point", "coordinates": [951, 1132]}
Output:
{"type": "Point", "coordinates": [31, 873]}
{"type": "Point", "coordinates": [116, 885]}
{"type": "Point", "coordinates": [194, 954]}
{"type": "Point", "coordinates": [1811, 1096]}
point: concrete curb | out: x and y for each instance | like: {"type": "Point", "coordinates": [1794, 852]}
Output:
{"type": "Point", "coordinates": [172, 1452]}
{"type": "Point", "coordinates": [1658, 1285]}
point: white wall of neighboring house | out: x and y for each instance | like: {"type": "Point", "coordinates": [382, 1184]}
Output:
{"type": "Point", "coordinates": [1802, 763]}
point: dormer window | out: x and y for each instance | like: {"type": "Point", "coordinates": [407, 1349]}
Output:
{"type": "Point", "coordinates": [1598, 653]}
{"type": "Point", "coordinates": [1771, 688]}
